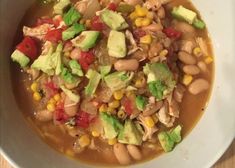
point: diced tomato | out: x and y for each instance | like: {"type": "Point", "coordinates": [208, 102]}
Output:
{"type": "Point", "coordinates": [59, 114]}
{"type": "Point", "coordinates": [86, 59]}
{"type": "Point", "coordinates": [83, 119]}
{"type": "Point", "coordinates": [54, 35]}
{"type": "Point", "coordinates": [52, 87]}
{"type": "Point", "coordinates": [97, 24]}
{"type": "Point", "coordinates": [29, 47]}
{"type": "Point", "coordinates": [138, 33]}
{"type": "Point", "coordinates": [44, 20]}
{"type": "Point", "coordinates": [128, 107]}
{"type": "Point", "coordinates": [112, 6]}
{"type": "Point", "coordinates": [172, 33]}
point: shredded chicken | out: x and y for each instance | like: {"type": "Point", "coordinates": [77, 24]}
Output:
{"type": "Point", "coordinates": [134, 46]}
{"type": "Point", "coordinates": [34, 73]}
{"type": "Point", "coordinates": [152, 108]}
{"type": "Point", "coordinates": [38, 32]}
{"type": "Point", "coordinates": [187, 46]}
{"type": "Point", "coordinates": [202, 45]}
{"type": "Point", "coordinates": [173, 106]}
{"type": "Point", "coordinates": [148, 132]}
{"type": "Point", "coordinates": [153, 4]}
{"type": "Point", "coordinates": [179, 93]}
{"type": "Point", "coordinates": [164, 117]}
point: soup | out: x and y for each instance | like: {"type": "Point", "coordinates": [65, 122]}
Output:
{"type": "Point", "coordinates": [112, 83]}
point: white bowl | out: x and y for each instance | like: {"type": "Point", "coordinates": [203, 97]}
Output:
{"type": "Point", "coordinates": [201, 148]}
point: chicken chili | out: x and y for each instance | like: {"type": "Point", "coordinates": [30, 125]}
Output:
{"type": "Point", "coordinates": [113, 82]}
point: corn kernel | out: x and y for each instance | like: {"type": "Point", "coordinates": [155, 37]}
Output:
{"type": "Point", "coordinates": [36, 96]}
{"type": "Point", "coordinates": [57, 97]}
{"type": "Point", "coordinates": [112, 141]}
{"type": "Point", "coordinates": [150, 15]}
{"type": "Point", "coordinates": [84, 141]}
{"type": "Point", "coordinates": [130, 93]}
{"type": "Point", "coordinates": [34, 87]}
{"type": "Point", "coordinates": [141, 11]}
{"type": "Point", "coordinates": [145, 22]}
{"type": "Point", "coordinates": [149, 121]}
{"type": "Point", "coordinates": [133, 15]}
{"type": "Point", "coordinates": [52, 101]}
{"type": "Point", "coordinates": [95, 133]}
{"type": "Point", "coordinates": [197, 51]}
{"type": "Point", "coordinates": [67, 54]}
{"type": "Point", "coordinates": [139, 83]}
{"type": "Point", "coordinates": [51, 107]}
{"type": "Point", "coordinates": [163, 53]}
{"type": "Point", "coordinates": [114, 104]}
{"type": "Point", "coordinates": [138, 22]}
{"type": "Point", "coordinates": [187, 79]}
{"type": "Point", "coordinates": [103, 108]}
{"type": "Point", "coordinates": [121, 114]}
{"type": "Point", "coordinates": [118, 94]}
{"type": "Point", "coordinates": [208, 60]}
{"type": "Point", "coordinates": [147, 39]}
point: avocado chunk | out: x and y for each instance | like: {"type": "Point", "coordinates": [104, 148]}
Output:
{"type": "Point", "coordinates": [111, 125]}
{"type": "Point", "coordinates": [60, 6]}
{"type": "Point", "coordinates": [183, 13]}
{"type": "Point", "coordinates": [170, 138]}
{"type": "Point", "coordinates": [72, 31]}
{"type": "Point", "coordinates": [104, 70]}
{"type": "Point", "coordinates": [199, 24]}
{"type": "Point", "coordinates": [140, 102]}
{"type": "Point", "coordinates": [72, 16]}
{"type": "Point", "coordinates": [72, 96]}
{"type": "Point", "coordinates": [116, 44]}
{"type": "Point", "coordinates": [86, 40]}
{"type": "Point", "coordinates": [20, 58]}
{"type": "Point", "coordinates": [118, 80]}
{"type": "Point", "coordinates": [75, 67]}
{"type": "Point", "coordinates": [68, 77]}
{"type": "Point", "coordinates": [130, 134]}
{"type": "Point", "coordinates": [113, 19]}
{"type": "Point", "coordinates": [94, 79]}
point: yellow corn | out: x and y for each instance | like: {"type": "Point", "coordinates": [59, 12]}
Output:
{"type": "Point", "coordinates": [197, 51]}
{"type": "Point", "coordinates": [103, 108]}
{"type": "Point", "coordinates": [130, 93]}
{"type": "Point", "coordinates": [51, 107]}
{"type": "Point", "coordinates": [112, 141]}
{"type": "Point", "coordinates": [145, 22]}
{"type": "Point", "coordinates": [208, 60]}
{"type": "Point", "coordinates": [147, 39]}
{"type": "Point", "coordinates": [118, 94]}
{"type": "Point", "coordinates": [139, 83]}
{"type": "Point", "coordinates": [149, 121]}
{"type": "Point", "coordinates": [95, 133]}
{"type": "Point", "coordinates": [52, 101]}
{"type": "Point", "coordinates": [57, 97]}
{"type": "Point", "coordinates": [163, 53]}
{"type": "Point", "coordinates": [138, 22]}
{"type": "Point", "coordinates": [67, 54]}
{"type": "Point", "coordinates": [36, 96]}
{"type": "Point", "coordinates": [34, 87]}
{"type": "Point", "coordinates": [84, 141]}
{"type": "Point", "coordinates": [114, 104]}
{"type": "Point", "coordinates": [121, 114]}
{"type": "Point", "coordinates": [141, 11]}
{"type": "Point", "coordinates": [187, 79]}
{"type": "Point", "coordinates": [150, 15]}
{"type": "Point", "coordinates": [133, 15]}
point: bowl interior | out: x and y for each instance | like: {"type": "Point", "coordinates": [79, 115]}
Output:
{"type": "Point", "coordinates": [208, 140]}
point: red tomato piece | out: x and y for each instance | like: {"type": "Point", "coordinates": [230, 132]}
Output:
{"type": "Point", "coordinates": [29, 47]}
{"type": "Point", "coordinates": [128, 106]}
{"type": "Point", "coordinates": [83, 119]}
{"type": "Point", "coordinates": [86, 59]}
{"type": "Point", "coordinates": [112, 6]}
{"type": "Point", "coordinates": [54, 36]}
{"type": "Point", "coordinates": [97, 24]}
{"type": "Point", "coordinates": [138, 33]}
{"type": "Point", "coordinates": [172, 33]}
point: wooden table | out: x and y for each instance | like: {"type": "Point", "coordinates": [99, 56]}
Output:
{"type": "Point", "coordinates": [226, 161]}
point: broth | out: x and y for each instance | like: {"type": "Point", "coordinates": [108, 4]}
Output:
{"type": "Point", "coordinates": [191, 108]}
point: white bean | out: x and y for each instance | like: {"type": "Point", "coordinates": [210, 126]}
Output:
{"type": "Point", "coordinates": [121, 153]}
{"type": "Point", "coordinates": [161, 13]}
{"type": "Point", "coordinates": [133, 2]}
{"type": "Point", "coordinates": [198, 86]}
{"type": "Point", "coordinates": [70, 108]}
{"type": "Point", "coordinates": [126, 65]}
{"type": "Point", "coordinates": [202, 66]}
{"type": "Point", "coordinates": [186, 58]}
{"type": "Point", "coordinates": [44, 115]}
{"type": "Point", "coordinates": [134, 152]}
{"type": "Point", "coordinates": [191, 69]}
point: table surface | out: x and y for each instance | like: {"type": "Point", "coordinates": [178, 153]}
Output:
{"type": "Point", "coordinates": [226, 161]}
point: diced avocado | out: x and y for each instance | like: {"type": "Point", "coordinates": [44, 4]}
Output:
{"type": "Point", "coordinates": [94, 79]}
{"type": "Point", "coordinates": [86, 40]}
{"type": "Point", "coordinates": [75, 67]}
{"type": "Point", "coordinates": [199, 24]}
{"type": "Point", "coordinates": [130, 134]}
{"type": "Point", "coordinates": [157, 89]}
{"type": "Point", "coordinates": [170, 138]}
{"type": "Point", "coordinates": [60, 6]}
{"type": "Point", "coordinates": [51, 62]}
{"type": "Point", "coordinates": [105, 69]}
{"type": "Point", "coordinates": [68, 77]}
{"type": "Point", "coordinates": [116, 44]}
{"type": "Point", "coordinates": [72, 96]}
{"type": "Point", "coordinates": [125, 8]}
{"type": "Point", "coordinates": [20, 58]}
{"type": "Point", "coordinates": [113, 19]}
{"type": "Point", "coordinates": [72, 31]}
{"type": "Point", "coordinates": [140, 102]}
{"type": "Point", "coordinates": [115, 80]}
{"type": "Point", "coordinates": [111, 125]}
{"type": "Point", "coordinates": [183, 13]}
{"type": "Point", "coordinates": [71, 17]}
